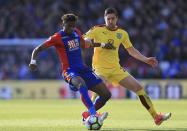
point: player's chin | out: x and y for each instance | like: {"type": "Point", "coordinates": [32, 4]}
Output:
{"type": "Point", "coordinates": [112, 26]}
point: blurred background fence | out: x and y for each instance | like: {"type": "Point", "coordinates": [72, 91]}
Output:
{"type": "Point", "coordinates": [53, 89]}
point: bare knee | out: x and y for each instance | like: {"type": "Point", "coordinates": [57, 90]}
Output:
{"type": "Point", "coordinates": [138, 88]}
{"type": "Point", "coordinates": [135, 87]}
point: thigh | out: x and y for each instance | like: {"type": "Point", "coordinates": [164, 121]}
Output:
{"type": "Point", "coordinates": [131, 83]}
{"type": "Point", "coordinates": [114, 75]}
{"type": "Point", "coordinates": [103, 73]}
{"type": "Point", "coordinates": [103, 79]}
{"type": "Point", "coordinates": [117, 75]}
{"type": "Point", "coordinates": [90, 78]}
{"type": "Point", "coordinates": [100, 89]}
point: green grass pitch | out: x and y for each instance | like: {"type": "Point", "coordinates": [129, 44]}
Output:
{"type": "Point", "coordinates": [65, 115]}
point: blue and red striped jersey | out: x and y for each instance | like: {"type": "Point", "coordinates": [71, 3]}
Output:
{"type": "Point", "coordinates": [68, 48]}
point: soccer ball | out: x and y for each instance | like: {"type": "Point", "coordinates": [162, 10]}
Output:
{"type": "Point", "coordinates": [93, 123]}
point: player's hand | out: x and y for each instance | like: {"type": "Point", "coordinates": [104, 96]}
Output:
{"type": "Point", "coordinates": [109, 46]}
{"type": "Point", "coordinates": [152, 61]}
{"type": "Point", "coordinates": [32, 67]}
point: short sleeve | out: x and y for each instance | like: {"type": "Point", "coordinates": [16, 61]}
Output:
{"type": "Point", "coordinates": [52, 40]}
{"type": "Point", "coordinates": [90, 34]}
{"type": "Point", "coordinates": [126, 41]}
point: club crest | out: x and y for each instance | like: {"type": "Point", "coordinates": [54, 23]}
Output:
{"type": "Point", "coordinates": [118, 35]}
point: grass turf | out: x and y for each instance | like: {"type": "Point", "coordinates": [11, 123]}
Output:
{"type": "Point", "coordinates": [65, 115]}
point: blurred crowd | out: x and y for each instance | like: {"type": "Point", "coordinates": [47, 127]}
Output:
{"type": "Point", "coordinates": [156, 28]}
{"type": "Point", "coordinates": [15, 60]}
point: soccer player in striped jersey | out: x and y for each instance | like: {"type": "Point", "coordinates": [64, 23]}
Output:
{"type": "Point", "coordinates": [68, 43]}
{"type": "Point", "coordinates": [106, 61]}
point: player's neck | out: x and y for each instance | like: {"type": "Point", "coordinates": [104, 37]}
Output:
{"type": "Point", "coordinates": [112, 28]}
{"type": "Point", "coordinates": [67, 32]}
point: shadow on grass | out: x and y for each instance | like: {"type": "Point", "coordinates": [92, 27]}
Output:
{"type": "Point", "coordinates": [120, 129]}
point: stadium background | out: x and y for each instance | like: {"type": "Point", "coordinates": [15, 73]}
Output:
{"type": "Point", "coordinates": [155, 28]}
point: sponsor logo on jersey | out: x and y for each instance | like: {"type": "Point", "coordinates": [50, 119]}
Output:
{"type": "Point", "coordinates": [73, 45]}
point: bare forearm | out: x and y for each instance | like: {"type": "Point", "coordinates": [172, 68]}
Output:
{"type": "Point", "coordinates": [96, 44]}
{"type": "Point", "coordinates": [136, 54]}
{"type": "Point", "coordinates": [35, 52]}
{"type": "Point", "coordinates": [33, 63]}
{"type": "Point", "coordinates": [91, 43]}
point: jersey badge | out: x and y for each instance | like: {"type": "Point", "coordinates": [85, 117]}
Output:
{"type": "Point", "coordinates": [118, 35]}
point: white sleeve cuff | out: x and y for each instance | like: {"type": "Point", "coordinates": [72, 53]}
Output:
{"type": "Point", "coordinates": [33, 62]}
{"type": "Point", "coordinates": [102, 45]}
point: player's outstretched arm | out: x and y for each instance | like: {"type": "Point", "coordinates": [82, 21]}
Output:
{"type": "Point", "coordinates": [33, 64]}
{"type": "Point", "coordinates": [91, 43]}
{"type": "Point", "coordinates": [152, 61]}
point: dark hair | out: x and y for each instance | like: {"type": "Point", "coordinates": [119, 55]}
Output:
{"type": "Point", "coordinates": [69, 17]}
{"type": "Point", "coordinates": [111, 11]}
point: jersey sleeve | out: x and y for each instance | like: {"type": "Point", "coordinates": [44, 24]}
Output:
{"type": "Point", "coordinates": [52, 40]}
{"type": "Point", "coordinates": [126, 41]}
{"type": "Point", "coordinates": [90, 34]}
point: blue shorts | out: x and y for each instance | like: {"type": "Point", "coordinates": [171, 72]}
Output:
{"type": "Point", "coordinates": [90, 78]}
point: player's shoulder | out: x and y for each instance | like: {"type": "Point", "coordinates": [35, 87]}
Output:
{"type": "Point", "coordinates": [56, 35]}
{"type": "Point", "coordinates": [123, 31]}
{"type": "Point", "coordinates": [101, 25]}
{"type": "Point", "coordinates": [98, 27]}
{"type": "Point", "coordinates": [77, 30]}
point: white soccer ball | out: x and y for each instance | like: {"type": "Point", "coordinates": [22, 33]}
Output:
{"type": "Point", "coordinates": [93, 123]}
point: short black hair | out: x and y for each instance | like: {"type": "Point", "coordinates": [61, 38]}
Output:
{"type": "Point", "coordinates": [69, 17]}
{"type": "Point", "coordinates": [110, 11]}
